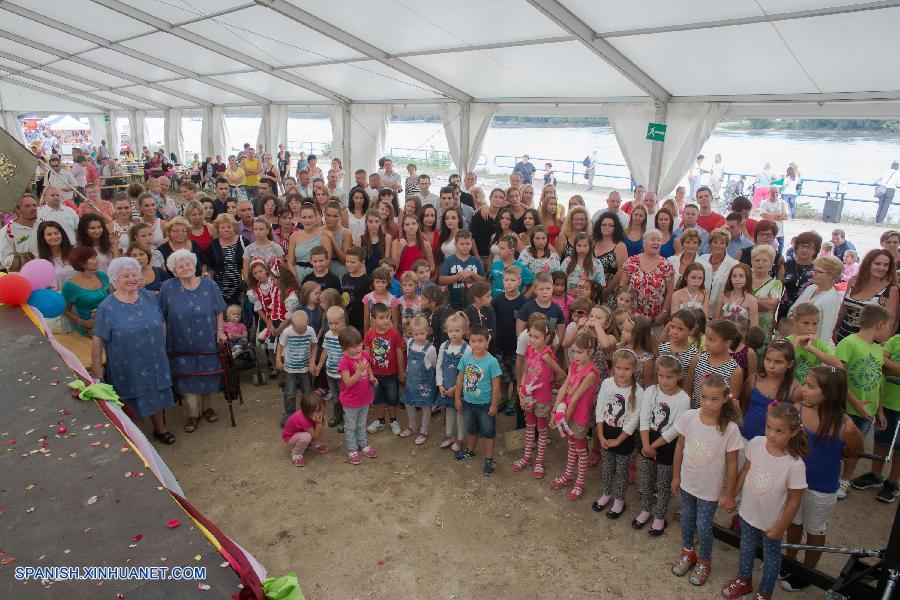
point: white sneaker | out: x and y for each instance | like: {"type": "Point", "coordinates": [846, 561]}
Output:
{"type": "Point", "coordinates": [375, 426]}
{"type": "Point", "coordinates": [843, 490]}
{"type": "Point", "coordinates": [456, 447]}
{"type": "Point", "coordinates": [395, 427]}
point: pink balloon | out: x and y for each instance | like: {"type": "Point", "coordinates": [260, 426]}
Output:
{"type": "Point", "coordinates": [39, 273]}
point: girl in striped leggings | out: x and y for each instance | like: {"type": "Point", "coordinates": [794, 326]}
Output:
{"type": "Point", "coordinates": [618, 414]}
{"type": "Point", "coordinates": [663, 404]}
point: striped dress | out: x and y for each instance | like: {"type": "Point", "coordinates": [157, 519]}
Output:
{"type": "Point", "coordinates": [335, 352]}
{"type": "Point", "coordinates": [704, 368]}
{"type": "Point", "coordinates": [684, 358]}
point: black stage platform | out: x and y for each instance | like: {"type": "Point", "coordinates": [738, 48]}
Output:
{"type": "Point", "coordinates": [82, 497]}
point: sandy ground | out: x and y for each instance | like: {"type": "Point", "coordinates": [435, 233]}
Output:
{"type": "Point", "coordinates": [414, 523]}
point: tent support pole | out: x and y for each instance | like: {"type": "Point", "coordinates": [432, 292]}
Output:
{"type": "Point", "coordinates": [656, 151]}
{"type": "Point", "coordinates": [345, 132]}
{"type": "Point", "coordinates": [464, 120]}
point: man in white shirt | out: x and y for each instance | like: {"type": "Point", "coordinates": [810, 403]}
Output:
{"type": "Point", "coordinates": [19, 234]}
{"type": "Point", "coordinates": [390, 178]}
{"type": "Point", "coordinates": [888, 180]}
{"type": "Point", "coordinates": [61, 180]}
{"type": "Point", "coordinates": [695, 174]}
{"type": "Point", "coordinates": [54, 210]}
{"type": "Point", "coordinates": [650, 205]}
{"type": "Point", "coordinates": [334, 189]}
{"type": "Point", "coordinates": [374, 189]}
{"type": "Point", "coordinates": [304, 185]}
{"type": "Point", "coordinates": [613, 202]}
{"type": "Point", "coordinates": [716, 176]}
{"type": "Point", "coordinates": [427, 196]}
{"type": "Point", "coordinates": [361, 178]}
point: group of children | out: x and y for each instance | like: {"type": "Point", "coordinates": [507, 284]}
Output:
{"type": "Point", "coordinates": [706, 411]}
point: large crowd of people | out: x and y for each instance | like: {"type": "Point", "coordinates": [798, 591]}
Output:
{"type": "Point", "coordinates": [704, 348]}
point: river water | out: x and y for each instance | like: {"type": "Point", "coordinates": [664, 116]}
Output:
{"type": "Point", "coordinates": [850, 157]}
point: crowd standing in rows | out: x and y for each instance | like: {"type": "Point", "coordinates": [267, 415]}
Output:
{"type": "Point", "coordinates": [657, 337]}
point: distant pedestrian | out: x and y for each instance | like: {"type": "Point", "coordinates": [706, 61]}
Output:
{"type": "Point", "coordinates": [884, 191]}
{"type": "Point", "coordinates": [526, 169]}
{"type": "Point", "coordinates": [590, 163]}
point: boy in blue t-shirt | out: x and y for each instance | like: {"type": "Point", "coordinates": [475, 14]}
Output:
{"type": "Point", "coordinates": [507, 245]}
{"type": "Point", "coordinates": [477, 396]}
{"type": "Point", "coordinates": [543, 303]}
{"type": "Point", "coordinates": [460, 270]}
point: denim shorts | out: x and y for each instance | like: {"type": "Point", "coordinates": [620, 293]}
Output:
{"type": "Point", "coordinates": [864, 424]}
{"type": "Point", "coordinates": [886, 436]}
{"type": "Point", "coordinates": [478, 421]}
{"type": "Point", "coordinates": [388, 390]}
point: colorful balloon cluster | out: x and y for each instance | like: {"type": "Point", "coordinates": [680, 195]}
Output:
{"type": "Point", "coordinates": [29, 286]}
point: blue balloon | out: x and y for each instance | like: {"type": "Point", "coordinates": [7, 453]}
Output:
{"type": "Point", "coordinates": [50, 302]}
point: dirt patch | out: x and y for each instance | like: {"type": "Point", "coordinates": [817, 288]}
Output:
{"type": "Point", "coordinates": [414, 523]}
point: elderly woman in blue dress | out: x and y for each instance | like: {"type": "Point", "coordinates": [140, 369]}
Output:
{"type": "Point", "coordinates": [193, 309]}
{"type": "Point", "coordinates": [129, 327]}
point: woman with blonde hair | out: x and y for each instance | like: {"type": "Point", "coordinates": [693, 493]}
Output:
{"type": "Point", "coordinates": [634, 233]}
{"type": "Point", "coordinates": [528, 196]}
{"type": "Point", "coordinates": [717, 263]}
{"type": "Point", "coordinates": [200, 232]}
{"type": "Point", "coordinates": [826, 272]}
{"type": "Point", "coordinates": [548, 210]}
{"type": "Point", "coordinates": [577, 221]}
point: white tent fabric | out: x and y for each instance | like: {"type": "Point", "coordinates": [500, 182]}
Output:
{"type": "Point", "coordinates": [138, 128]}
{"type": "Point", "coordinates": [339, 139]}
{"type": "Point", "coordinates": [629, 123]}
{"type": "Point", "coordinates": [113, 134]}
{"type": "Point", "coordinates": [273, 127]}
{"type": "Point", "coordinates": [688, 127]}
{"type": "Point", "coordinates": [368, 132]}
{"type": "Point", "coordinates": [466, 149]}
{"type": "Point", "coordinates": [214, 133]}
{"type": "Point", "coordinates": [11, 124]}
{"type": "Point", "coordinates": [98, 128]}
{"type": "Point", "coordinates": [174, 136]}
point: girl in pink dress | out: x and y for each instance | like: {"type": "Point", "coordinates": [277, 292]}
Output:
{"type": "Point", "coordinates": [535, 392]}
{"type": "Point", "coordinates": [575, 407]}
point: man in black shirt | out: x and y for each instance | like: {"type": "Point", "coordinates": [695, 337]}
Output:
{"type": "Point", "coordinates": [484, 223]}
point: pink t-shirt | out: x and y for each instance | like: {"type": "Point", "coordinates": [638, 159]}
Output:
{"type": "Point", "coordinates": [296, 423]}
{"type": "Point", "coordinates": [565, 303]}
{"type": "Point", "coordinates": [235, 331]}
{"type": "Point", "coordinates": [585, 407]}
{"type": "Point", "coordinates": [767, 483]}
{"type": "Point", "coordinates": [388, 300]}
{"type": "Point", "coordinates": [537, 371]}
{"type": "Point", "coordinates": [703, 464]}
{"type": "Point", "coordinates": [360, 393]}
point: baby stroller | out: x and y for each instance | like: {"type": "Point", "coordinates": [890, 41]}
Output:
{"type": "Point", "coordinates": [733, 189]}
{"type": "Point", "coordinates": [245, 357]}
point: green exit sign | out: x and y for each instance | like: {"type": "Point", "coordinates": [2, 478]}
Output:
{"type": "Point", "coordinates": [656, 132]}
{"type": "Point", "coordinates": [106, 118]}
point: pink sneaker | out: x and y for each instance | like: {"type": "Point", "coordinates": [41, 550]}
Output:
{"type": "Point", "coordinates": [421, 438]}
{"type": "Point", "coordinates": [447, 441]}
{"type": "Point", "coordinates": [298, 460]}
{"type": "Point", "coordinates": [355, 459]}
{"type": "Point", "coordinates": [369, 451]}
{"type": "Point", "coordinates": [320, 448]}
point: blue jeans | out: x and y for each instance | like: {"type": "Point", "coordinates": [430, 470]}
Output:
{"type": "Point", "coordinates": [388, 390]}
{"type": "Point", "coordinates": [750, 536]}
{"type": "Point", "coordinates": [864, 424]}
{"type": "Point", "coordinates": [478, 421]}
{"type": "Point", "coordinates": [697, 517]}
{"type": "Point", "coordinates": [355, 427]}
{"type": "Point", "coordinates": [791, 200]}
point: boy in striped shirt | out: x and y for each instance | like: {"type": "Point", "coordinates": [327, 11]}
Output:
{"type": "Point", "coordinates": [295, 353]}
{"type": "Point", "coordinates": [329, 358]}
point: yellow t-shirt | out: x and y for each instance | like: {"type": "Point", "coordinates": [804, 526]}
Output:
{"type": "Point", "coordinates": [251, 180]}
{"type": "Point", "coordinates": [232, 174]}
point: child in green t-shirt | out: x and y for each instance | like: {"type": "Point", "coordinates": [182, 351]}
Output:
{"type": "Point", "coordinates": [883, 437]}
{"type": "Point", "coordinates": [809, 351]}
{"type": "Point", "coordinates": [863, 358]}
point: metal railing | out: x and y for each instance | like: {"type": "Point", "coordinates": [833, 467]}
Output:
{"type": "Point", "coordinates": [296, 146]}
{"type": "Point", "coordinates": [429, 157]}
{"type": "Point", "coordinates": [573, 169]}
{"type": "Point", "coordinates": [854, 191]}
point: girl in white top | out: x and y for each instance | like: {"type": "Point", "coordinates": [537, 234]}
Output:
{"type": "Point", "coordinates": [773, 479]}
{"type": "Point", "coordinates": [705, 459]}
{"type": "Point", "coordinates": [691, 292]}
{"type": "Point", "coordinates": [457, 327]}
{"type": "Point", "coordinates": [662, 404]}
{"type": "Point", "coordinates": [354, 217]}
{"type": "Point", "coordinates": [826, 271]}
{"type": "Point", "coordinates": [618, 414]}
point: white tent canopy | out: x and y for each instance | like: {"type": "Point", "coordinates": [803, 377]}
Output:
{"type": "Point", "coordinates": [63, 123]}
{"type": "Point", "coordinates": [683, 62]}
